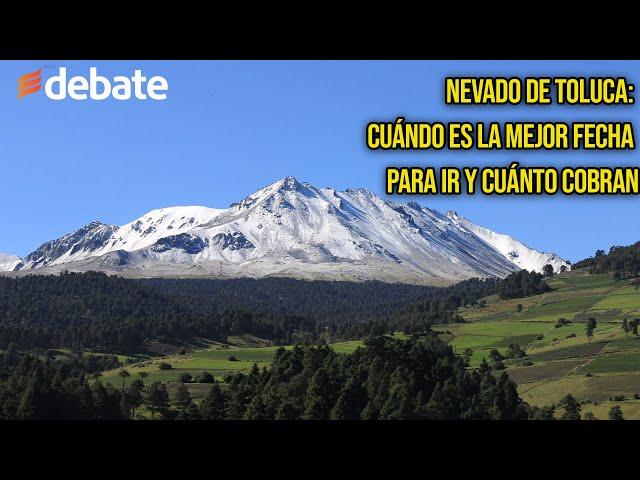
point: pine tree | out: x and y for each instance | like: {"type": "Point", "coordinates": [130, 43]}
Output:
{"type": "Point", "coordinates": [571, 408]}
{"type": "Point", "coordinates": [213, 406]}
{"type": "Point", "coordinates": [125, 406]}
{"type": "Point", "coordinates": [400, 402]}
{"type": "Point", "coordinates": [256, 410]}
{"type": "Point", "coordinates": [182, 397]}
{"type": "Point", "coordinates": [27, 408]}
{"type": "Point", "coordinates": [124, 374]}
{"type": "Point", "coordinates": [191, 412]}
{"type": "Point", "coordinates": [351, 401]}
{"type": "Point", "coordinates": [615, 413]}
{"type": "Point", "coordinates": [591, 326]}
{"type": "Point", "coordinates": [157, 398]}
{"type": "Point", "coordinates": [142, 376]}
{"type": "Point", "coordinates": [287, 411]}
{"type": "Point", "coordinates": [317, 404]}
{"type": "Point", "coordinates": [134, 395]}
{"type": "Point", "coordinates": [625, 328]}
{"type": "Point", "coordinates": [99, 399]}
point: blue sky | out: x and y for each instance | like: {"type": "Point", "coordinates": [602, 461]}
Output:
{"type": "Point", "coordinates": [228, 128]}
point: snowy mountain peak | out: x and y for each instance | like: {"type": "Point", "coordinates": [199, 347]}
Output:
{"type": "Point", "coordinates": [517, 252]}
{"type": "Point", "coordinates": [289, 183]}
{"type": "Point", "coordinates": [9, 263]}
{"type": "Point", "coordinates": [291, 228]}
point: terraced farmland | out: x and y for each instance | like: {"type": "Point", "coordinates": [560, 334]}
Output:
{"type": "Point", "coordinates": [561, 359]}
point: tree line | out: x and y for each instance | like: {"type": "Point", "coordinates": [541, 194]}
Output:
{"type": "Point", "coordinates": [622, 262]}
{"type": "Point", "coordinates": [108, 313]}
{"type": "Point", "coordinates": [522, 283]}
{"type": "Point", "coordinates": [326, 301]}
{"type": "Point", "coordinates": [388, 379]}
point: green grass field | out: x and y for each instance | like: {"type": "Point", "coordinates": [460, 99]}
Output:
{"type": "Point", "coordinates": [563, 360]}
{"type": "Point", "coordinates": [625, 362]}
{"type": "Point", "coordinates": [215, 360]}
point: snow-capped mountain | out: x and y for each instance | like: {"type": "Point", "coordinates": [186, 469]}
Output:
{"type": "Point", "coordinates": [294, 229]}
{"type": "Point", "coordinates": [9, 263]}
{"type": "Point", "coordinates": [524, 257]}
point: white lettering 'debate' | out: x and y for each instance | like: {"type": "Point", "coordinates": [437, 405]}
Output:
{"type": "Point", "coordinates": [98, 87]}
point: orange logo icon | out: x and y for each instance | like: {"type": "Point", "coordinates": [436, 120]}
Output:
{"type": "Point", "coordinates": [29, 83]}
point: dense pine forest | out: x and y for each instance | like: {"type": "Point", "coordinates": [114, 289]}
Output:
{"type": "Point", "coordinates": [326, 301]}
{"type": "Point", "coordinates": [622, 262]}
{"type": "Point", "coordinates": [108, 313]}
{"type": "Point", "coordinates": [388, 379]}
{"type": "Point", "coordinates": [522, 284]}
{"type": "Point", "coordinates": [33, 388]}
{"type": "Point", "coordinates": [95, 311]}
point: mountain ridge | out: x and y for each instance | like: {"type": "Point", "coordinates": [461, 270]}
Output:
{"type": "Point", "coordinates": [292, 228]}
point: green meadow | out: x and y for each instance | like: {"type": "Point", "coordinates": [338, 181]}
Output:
{"type": "Point", "coordinates": [218, 360]}
{"type": "Point", "coordinates": [560, 360]}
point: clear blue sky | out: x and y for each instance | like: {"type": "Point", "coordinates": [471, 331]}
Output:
{"type": "Point", "coordinates": [228, 128]}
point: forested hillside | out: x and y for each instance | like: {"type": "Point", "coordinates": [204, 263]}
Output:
{"type": "Point", "coordinates": [327, 301]}
{"type": "Point", "coordinates": [108, 313]}
{"type": "Point", "coordinates": [522, 284]}
{"type": "Point", "coordinates": [387, 379]}
{"type": "Point", "coordinates": [93, 310]}
{"type": "Point", "coordinates": [622, 262]}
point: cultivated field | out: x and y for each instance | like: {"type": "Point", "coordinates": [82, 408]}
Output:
{"type": "Point", "coordinates": [560, 359]}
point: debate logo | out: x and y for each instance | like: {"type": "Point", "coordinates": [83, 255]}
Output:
{"type": "Point", "coordinates": [96, 87]}
{"type": "Point", "coordinates": [29, 83]}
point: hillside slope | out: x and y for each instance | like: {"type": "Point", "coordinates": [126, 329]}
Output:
{"type": "Point", "coordinates": [561, 359]}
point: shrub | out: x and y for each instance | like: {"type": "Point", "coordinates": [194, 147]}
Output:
{"type": "Point", "coordinates": [515, 351]}
{"type": "Point", "coordinates": [232, 358]}
{"type": "Point", "coordinates": [185, 378]}
{"type": "Point", "coordinates": [615, 413]}
{"type": "Point", "coordinates": [165, 366]}
{"type": "Point", "coordinates": [498, 365]}
{"type": "Point", "coordinates": [495, 355]}
{"type": "Point", "coordinates": [205, 377]}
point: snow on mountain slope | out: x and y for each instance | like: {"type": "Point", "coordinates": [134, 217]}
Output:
{"type": "Point", "coordinates": [290, 228]}
{"type": "Point", "coordinates": [517, 252]}
{"type": "Point", "coordinates": [96, 238]}
{"type": "Point", "coordinates": [8, 262]}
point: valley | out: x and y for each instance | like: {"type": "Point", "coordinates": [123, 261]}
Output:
{"type": "Point", "coordinates": [601, 372]}
{"type": "Point", "coordinates": [284, 348]}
